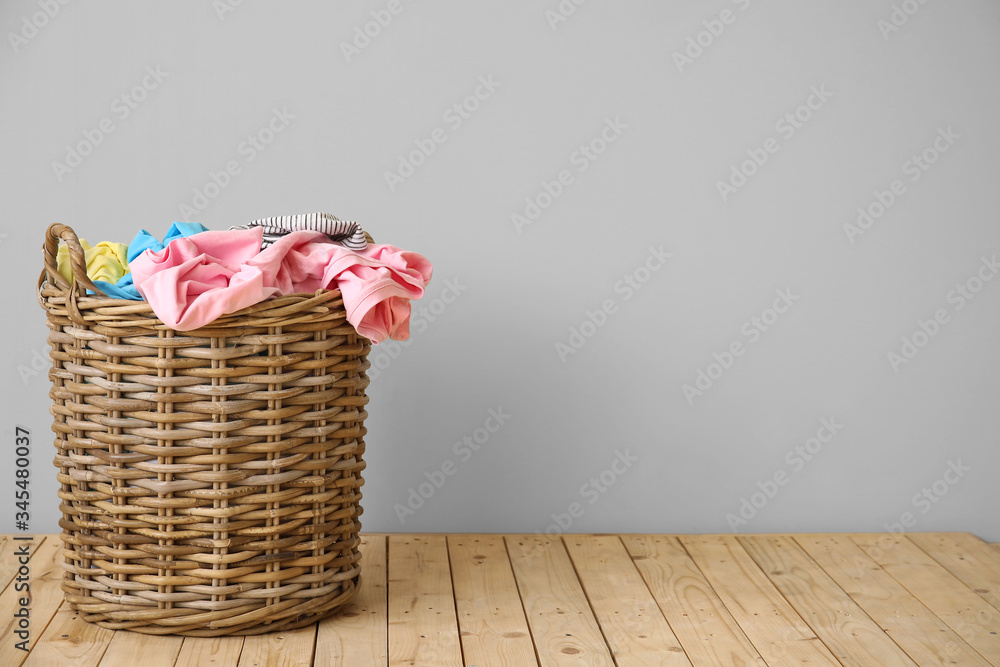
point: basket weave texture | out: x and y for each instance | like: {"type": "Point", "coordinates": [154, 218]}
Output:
{"type": "Point", "coordinates": [210, 479]}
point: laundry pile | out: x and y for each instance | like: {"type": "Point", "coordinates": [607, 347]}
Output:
{"type": "Point", "coordinates": [195, 275]}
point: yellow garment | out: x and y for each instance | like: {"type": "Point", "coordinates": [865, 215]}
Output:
{"type": "Point", "coordinates": [105, 261]}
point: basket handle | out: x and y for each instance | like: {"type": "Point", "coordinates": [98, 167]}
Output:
{"type": "Point", "coordinates": [77, 260]}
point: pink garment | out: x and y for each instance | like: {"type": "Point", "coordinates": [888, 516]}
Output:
{"type": "Point", "coordinates": [197, 279]}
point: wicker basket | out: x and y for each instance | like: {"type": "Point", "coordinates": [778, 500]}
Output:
{"type": "Point", "coordinates": [210, 479]}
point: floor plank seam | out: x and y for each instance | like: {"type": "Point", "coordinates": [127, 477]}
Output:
{"type": "Point", "coordinates": [994, 609]}
{"type": "Point", "coordinates": [805, 622]}
{"type": "Point", "coordinates": [652, 595]}
{"type": "Point", "coordinates": [454, 600]}
{"type": "Point", "coordinates": [954, 629]}
{"type": "Point", "coordinates": [995, 605]}
{"type": "Point", "coordinates": [953, 647]}
{"type": "Point", "coordinates": [576, 571]}
{"type": "Point", "coordinates": [388, 544]}
{"type": "Point", "coordinates": [859, 603]}
{"type": "Point", "coordinates": [721, 599]}
{"type": "Point", "coordinates": [838, 587]}
{"type": "Point", "coordinates": [520, 597]}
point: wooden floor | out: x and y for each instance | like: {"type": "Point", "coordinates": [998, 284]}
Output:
{"type": "Point", "coordinates": [487, 600]}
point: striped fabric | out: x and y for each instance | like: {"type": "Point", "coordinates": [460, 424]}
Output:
{"type": "Point", "coordinates": [347, 233]}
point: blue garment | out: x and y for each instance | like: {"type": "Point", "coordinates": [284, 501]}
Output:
{"type": "Point", "coordinates": [124, 288]}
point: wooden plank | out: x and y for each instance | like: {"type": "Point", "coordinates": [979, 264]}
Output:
{"type": "Point", "coordinates": [953, 574]}
{"type": "Point", "coordinates": [423, 628]}
{"type": "Point", "coordinates": [924, 637]}
{"type": "Point", "coordinates": [220, 651]}
{"type": "Point", "coordinates": [768, 620]}
{"type": "Point", "coordinates": [973, 618]}
{"type": "Point", "coordinates": [703, 625]}
{"type": "Point", "coordinates": [563, 627]}
{"type": "Point", "coordinates": [491, 620]}
{"type": "Point", "coordinates": [44, 594]}
{"type": "Point", "coordinates": [633, 627]}
{"type": "Point", "coordinates": [9, 548]}
{"type": "Point", "coordinates": [968, 558]}
{"type": "Point", "coordinates": [357, 635]}
{"type": "Point", "coordinates": [291, 648]}
{"type": "Point", "coordinates": [69, 640]}
{"type": "Point", "coordinates": [134, 648]}
{"type": "Point", "coordinates": [854, 638]}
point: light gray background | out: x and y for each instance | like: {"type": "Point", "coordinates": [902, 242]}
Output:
{"type": "Point", "coordinates": [494, 346]}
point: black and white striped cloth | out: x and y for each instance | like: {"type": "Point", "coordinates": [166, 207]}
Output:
{"type": "Point", "coordinates": [345, 232]}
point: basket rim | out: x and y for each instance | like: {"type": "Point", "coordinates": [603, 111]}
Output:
{"type": "Point", "coordinates": [57, 296]}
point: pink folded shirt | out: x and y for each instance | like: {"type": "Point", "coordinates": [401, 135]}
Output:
{"type": "Point", "coordinates": [197, 279]}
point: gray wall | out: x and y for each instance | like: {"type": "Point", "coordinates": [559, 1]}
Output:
{"type": "Point", "coordinates": [782, 313]}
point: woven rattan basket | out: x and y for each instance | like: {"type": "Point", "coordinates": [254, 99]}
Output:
{"type": "Point", "coordinates": [210, 479]}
